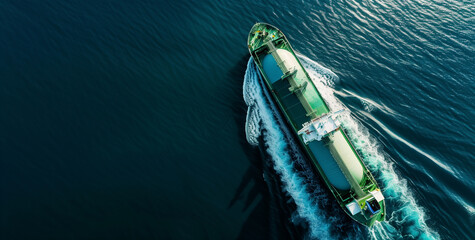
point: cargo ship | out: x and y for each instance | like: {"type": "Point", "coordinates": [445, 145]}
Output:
{"type": "Point", "coordinates": [317, 128]}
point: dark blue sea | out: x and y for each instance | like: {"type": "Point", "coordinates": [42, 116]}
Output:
{"type": "Point", "coordinates": [147, 119]}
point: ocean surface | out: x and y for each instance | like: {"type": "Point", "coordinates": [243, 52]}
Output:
{"type": "Point", "coordinates": [148, 120]}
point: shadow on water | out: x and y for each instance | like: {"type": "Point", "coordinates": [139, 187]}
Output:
{"type": "Point", "coordinates": [269, 218]}
{"type": "Point", "coordinates": [253, 173]}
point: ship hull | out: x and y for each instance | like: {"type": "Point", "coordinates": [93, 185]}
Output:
{"type": "Point", "coordinates": [333, 156]}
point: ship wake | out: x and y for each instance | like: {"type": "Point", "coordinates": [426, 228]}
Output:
{"type": "Point", "coordinates": [314, 205]}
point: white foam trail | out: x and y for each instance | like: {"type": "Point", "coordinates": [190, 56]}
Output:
{"type": "Point", "coordinates": [253, 125]}
{"type": "Point", "coordinates": [283, 153]}
{"type": "Point", "coordinates": [408, 218]}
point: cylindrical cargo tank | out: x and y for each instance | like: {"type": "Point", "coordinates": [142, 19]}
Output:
{"type": "Point", "coordinates": [337, 149]}
{"type": "Point", "coordinates": [271, 68]}
{"type": "Point", "coordinates": [341, 150]}
{"type": "Point", "coordinates": [329, 166]}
